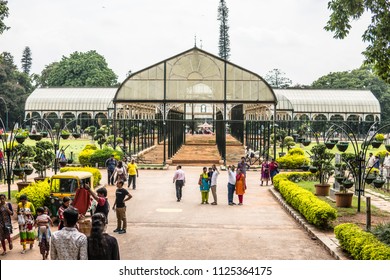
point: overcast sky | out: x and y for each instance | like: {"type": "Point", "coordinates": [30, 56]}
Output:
{"type": "Point", "coordinates": [134, 34]}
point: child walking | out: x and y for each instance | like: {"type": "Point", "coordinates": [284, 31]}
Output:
{"type": "Point", "coordinates": [42, 223]}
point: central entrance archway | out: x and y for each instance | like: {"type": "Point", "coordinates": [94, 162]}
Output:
{"type": "Point", "coordinates": [173, 96]}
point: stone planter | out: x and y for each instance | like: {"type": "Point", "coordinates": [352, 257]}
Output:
{"type": "Point", "coordinates": [343, 199]}
{"type": "Point", "coordinates": [322, 189]}
{"type": "Point", "coordinates": [22, 185]}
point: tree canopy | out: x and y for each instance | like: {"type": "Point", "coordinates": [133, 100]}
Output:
{"type": "Point", "coordinates": [26, 60]}
{"type": "Point", "coordinates": [87, 69]}
{"type": "Point", "coordinates": [14, 88]}
{"type": "Point", "coordinates": [277, 79]}
{"type": "Point", "coordinates": [377, 33]}
{"type": "Point", "coordinates": [224, 40]}
{"type": "Point", "coordinates": [361, 78]}
{"type": "Point", "coordinates": [3, 14]}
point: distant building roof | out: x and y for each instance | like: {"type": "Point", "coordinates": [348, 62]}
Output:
{"type": "Point", "coordinates": [70, 99]}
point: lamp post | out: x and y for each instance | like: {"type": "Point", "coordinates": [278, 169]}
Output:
{"type": "Point", "coordinates": [358, 167]}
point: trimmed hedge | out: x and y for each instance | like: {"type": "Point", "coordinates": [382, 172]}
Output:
{"type": "Point", "coordinates": [316, 211]}
{"type": "Point", "coordinates": [97, 176]}
{"type": "Point", "coordinates": [293, 161]}
{"type": "Point", "coordinates": [37, 193]}
{"type": "Point", "coordinates": [360, 244]}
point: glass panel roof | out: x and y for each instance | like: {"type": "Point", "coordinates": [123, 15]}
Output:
{"type": "Point", "coordinates": [70, 99]}
{"type": "Point", "coordinates": [192, 76]}
{"type": "Point", "coordinates": [329, 100]}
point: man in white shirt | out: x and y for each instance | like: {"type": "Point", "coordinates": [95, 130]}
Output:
{"type": "Point", "coordinates": [371, 160]}
{"type": "Point", "coordinates": [386, 166]}
{"type": "Point", "coordinates": [231, 184]}
{"type": "Point", "coordinates": [214, 184]}
{"type": "Point", "coordinates": [179, 179]}
{"type": "Point", "coordinates": [68, 243]}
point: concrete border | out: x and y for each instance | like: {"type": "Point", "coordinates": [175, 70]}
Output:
{"type": "Point", "coordinates": [330, 243]}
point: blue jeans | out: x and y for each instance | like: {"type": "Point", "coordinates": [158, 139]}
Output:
{"type": "Point", "coordinates": [230, 192]}
{"type": "Point", "coordinates": [110, 177]}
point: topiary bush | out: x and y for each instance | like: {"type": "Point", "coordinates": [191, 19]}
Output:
{"type": "Point", "coordinates": [97, 176]}
{"type": "Point", "coordinates": [296, 151]}
{"type": "Point", "coordinates": [294, 161]}
{"type": "Point", "coordinates": [361, 245]}
{"type": "Point", "coordinates": [37, 193]}
{"type": "Point", "coordinates": [100, 156]}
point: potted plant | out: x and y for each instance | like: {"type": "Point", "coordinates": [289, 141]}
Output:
{"type": "Point", "coordinates": [322, 159]}
{"type": "Point", "coordinates": [370, 178]}
{"type": "Point", "coordinates": [76, 132]}
{"type": "Point", "coordinates": [330, 145]}
{"type": "Point", "coordinates": [21, 135]}
{"type": "Point", "coordinates": [306, 142]}
{"type": "Point", "coordinates": [343, 197]}
{"type": "Point", "coordinates": [44, 157]}
{"type": "Point", "coordinates": [342, 146]}
{"type": "Point", "coordinates": [24, 154]}
{"type": "Point", "coordinates": [65, 134]}
{"type": "Point", "coordinates": [378, 182]}
{"type": "Point", "coordinates": [306, 168]}
{"type": "Point", "coordinates": [378, 140]}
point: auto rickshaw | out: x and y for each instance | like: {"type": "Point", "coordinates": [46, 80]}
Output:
{"type": "Point", "coordinates": [67, 184]}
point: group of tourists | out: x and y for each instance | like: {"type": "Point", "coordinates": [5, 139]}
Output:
{"type": "Point", "coordinates": [121, 171]}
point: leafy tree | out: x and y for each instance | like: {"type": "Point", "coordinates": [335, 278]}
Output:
{"type": "Point", "coordinates": [377, 34]}
{"type": "Point", "coordinates": [88, 69]}
{"type": "Point", "coordinates": [361, 78]}
{"type": "Point", "coordinates": [276, 78]}
{"type": "Point", "coordinates": [14, 88]}
{"type": "Point", "coordinates": [224, 41]}
{"type": "Point", "coordinates": [26, 60]}
{"type": "Point", "coordinates": [3, 14]}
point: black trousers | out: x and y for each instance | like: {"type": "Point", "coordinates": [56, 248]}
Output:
{"type": "Point", "coordinates": [179, 186]}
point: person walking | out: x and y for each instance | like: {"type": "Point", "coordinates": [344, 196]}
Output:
{"type": "Point", "coordinates": [25, 212]}
{"type": "Point", "coordinates": [5, 223]}
{"type": "Point", "coordinates": [69, 243]}
{"type": "Point", "coordinates": [265, 172]}
{"type": "Point", "coordinates": [43, 223]}
{"type": "Point", "coordinates": [101, 246]}
{"type": "Point", "coordinates": [204, 186]}
{"type": "Point", "coordinates": [121, 196]}
{"type": "Point", "coordinates": [132, 170]}
{"type": "Point", "coordinates": [214, 178]}
{"type": "Point", "coordinates": [120, 173]}
{"type": "Point", "coordinates": [240, 186]}
{"type": "Point", "coordinates": [386, 166]}
{"type": "Point", "coordinates": [231, 184]}
{"type": "Point", "coordinates": [179, 179]}
{"type": "Point", "coordinates": [110, 165]}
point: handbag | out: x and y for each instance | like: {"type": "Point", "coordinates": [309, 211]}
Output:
{"type": "Point", "coordinates": [7, 228]}
{"type": "Point", "coordinates": [21, 220]}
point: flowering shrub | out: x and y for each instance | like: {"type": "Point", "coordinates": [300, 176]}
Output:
{"type": "Point", "coordinates": [37, 193]}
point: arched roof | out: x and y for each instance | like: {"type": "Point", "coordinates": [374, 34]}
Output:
{"type": "Point", "coordinates": [328, 101]}
{"type": "Point", "coordinates": [192, 76]}
{"type": "Point", "coordinates": [70, 99]}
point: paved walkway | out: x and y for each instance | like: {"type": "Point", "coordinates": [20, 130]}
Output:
{"type": "Point", "coordinates": [161, 228]}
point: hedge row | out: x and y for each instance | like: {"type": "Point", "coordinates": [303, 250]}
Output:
{"type": "Point", "coordinates": [90, 155]}
{"type": "Point", "coordinates": [97, 176]}
{"type": "Point", "coordinates": [360, 244]}
{"type": "Point", "coordinates": [316, 211]}
{"type": "Point", "coordinates": [36, 193]}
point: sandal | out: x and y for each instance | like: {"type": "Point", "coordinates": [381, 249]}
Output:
{"type": "Point", "coordinates": [23, 252]}
{"type": "Point", "coordinates": [4, 253]}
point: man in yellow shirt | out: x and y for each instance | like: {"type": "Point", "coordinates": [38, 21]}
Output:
{"type": "Point", "coordinates": [132, 170]}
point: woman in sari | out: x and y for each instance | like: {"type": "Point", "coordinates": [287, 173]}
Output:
{"type": "Point", "coordinates": [240, 186]}
{"type": "Point", "coordinates": [204, 185]}
{"type": "Point", "coordinates": [25, 211]}
{"type": "Point", "coordinates": [265, 172]}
